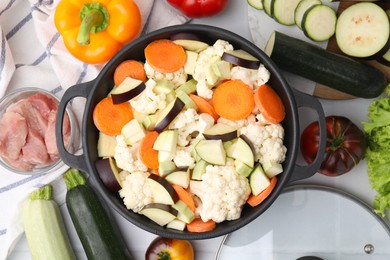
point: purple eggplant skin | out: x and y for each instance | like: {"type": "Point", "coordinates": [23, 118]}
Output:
{"type": "Point", "coordinates": [224, 137]}
{"type": "Point", "coordinates": [175, 110]}
{"type": "Point", "coordinates": [249, 64]}
{"type": "Point", "coordinates": [107, 175]}
{"type": "Point", "coordinates": [128, 95]}
{"type": "Point", "coordinates": [185, 36]}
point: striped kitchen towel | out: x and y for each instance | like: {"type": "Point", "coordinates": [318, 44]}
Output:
{"type": "Point", "coordinates": [32, 54]}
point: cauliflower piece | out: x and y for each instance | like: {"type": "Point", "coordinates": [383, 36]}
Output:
{"type": "Point", "coordinates": [189, 121]}
{"type": "Point", "coordinates": [135, 192]}
{"type": "Point", "coordinates": [238, 123]}
{"type": "Point", "coordinates": [253, 78]}
{"type": "Point", "coordinates": [177, 78]}
{"type": "Point", "coordinates": [223, 193]}
{"type": "Point", "coordinates": [205, 59]}
{"type": "Point", "coordinates": [148, 102]}
{"type": "Point", "coordinates": [126, 157]}
{"type": "Point", "coordinates": [183, 157]}
{"type": "Point", "coordinates": [267, 140]}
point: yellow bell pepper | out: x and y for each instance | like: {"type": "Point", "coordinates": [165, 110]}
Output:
{"type": "Point", "coordinates": [95, 30]}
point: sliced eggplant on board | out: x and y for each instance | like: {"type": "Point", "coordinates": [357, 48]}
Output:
{"type": "Point", "coordinates": [363, 30]}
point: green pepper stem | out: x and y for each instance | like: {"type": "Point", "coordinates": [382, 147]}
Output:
{"type": "Point", "coordinates": [94, 19]}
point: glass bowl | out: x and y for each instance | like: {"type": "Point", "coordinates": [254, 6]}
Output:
{"type": "Point", "coordinates": [36, 131]}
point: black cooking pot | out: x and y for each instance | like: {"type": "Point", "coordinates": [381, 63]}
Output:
{"type": "Point", "coordinates": [98, 88]}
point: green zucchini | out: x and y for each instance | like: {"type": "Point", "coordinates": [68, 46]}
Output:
{"type": "Point", "coordinates": [99, 236]}
{"type": "Point", "coordinates": [44, 227]}
{"type": "Point", "coordinates": [327, 68]}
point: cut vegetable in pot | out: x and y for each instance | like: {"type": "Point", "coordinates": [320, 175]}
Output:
{"type": "Point", "coordinates": [269, 104]}
{"type": "Point", "coordinates": [108, 173]}
{"type": "Point", "coordinates": [127, 90]}
{"type": "Point", "coordinates": [44, 227]}
{"type": "Point", "coordinates": [233, 100]}
{"type": "Point", "coordinates": [198, 225]}
{"type": "Point", "coordinates": [241, 58]}
{"type": "Point", "coordinates": [129, 68]}
{"type": "Point", "coordinates": [362, 30]}
{"type": "Point", "coordinates": [256, 200]}
{"type": "Point", "coordinates": [110, 118]}
{"type": "Point", "coordinates": [301, 8]}
{"type": "Point", "coordinates": [283, 11]}
{"type": "Point", "coordinates": [330, 69]}
{"type": "Point", "coordinates": [165, 56]}
{"type": "Point", "coordinates": [344, 149]}
{"type": "Point", "coordinates": [319, 22]}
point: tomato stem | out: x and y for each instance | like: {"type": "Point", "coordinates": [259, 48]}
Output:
{"type": "Point", "coordinates": [94, 18]}
{"type": "Point", "coordinates": [337, 139]}
{"type": "Point", "coordinates": [164, 255]}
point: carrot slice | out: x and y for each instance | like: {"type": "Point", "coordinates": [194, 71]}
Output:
{"type": "Point", "coordinates": [110, 118]}
{"type": "Point", "coordinates": [165, 56]}
{"type": "Point", "coordinates": [233, 100]}
{"type": "Point", "coordinates": [256, 200]}
{"type": "Point", "coordinates": [129, 68]}
{"type": "Point", "coordinates": [148, 155]}
{"type": "Point", "coordinates": [197, 225]}
{"type": "Point", "coordinates": [185, 196]}
{"type": "Point", "coordinates": [269, 104]}
{"type": "Point", "coordinates": [204, 106]}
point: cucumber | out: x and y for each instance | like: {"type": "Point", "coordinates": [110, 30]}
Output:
{"type": "Point", "coordinates": [330, 69]}
{"type": "Point", "coordinates": [301, 8]}
{"type": "Point", "coordinates": [98, 235]}
{"type": "Point", "coordinates": [44, 227]}
{"type": "Point", "coordinates": [283, 11]}
{"type": "Point", "coordinates": [319, 22]}
{"type": "Point", "coordinates": [363, 30]}
{"type": "Point", "coordinates": [257, 4]}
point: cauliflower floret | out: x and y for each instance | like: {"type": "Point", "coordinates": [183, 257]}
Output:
{"type": "Point", "coordinates": [223, 193]}
{"type": "Point", "coordinates": [177, 78]}
{"type": "Point", "coordinates": [253, 78]}
{"type": "Point", "coordinates": [126, 156]}
{"type": "Point", "coordinates": [148, 102]}
{"type": "Point", "coordinates": [135, 192]}
{"type": "Point", "coordinates": [183, 157]}
{"type": "Point", "coordinates": [238, 123]}
{"type": "Point", "coordinates": [205, 59]}
{"type": "Point", "coordinates": [267, 140]}
{"type": "Point", "coordinates": [189, 121]}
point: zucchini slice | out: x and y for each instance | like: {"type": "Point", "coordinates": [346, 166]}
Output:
{"type": "Point", "coordinates": [257, 4]}
{"type": "Point", "coordinates": [267, 6]}
{"type": "Point", "coordinates": [319, 22]}
{"type": "Point", "coordinates": [283, 11]}
{"type": "Point", "coordinates": [317, 64]}
{"type": "Point", "coordinates": [363, 30]}
{"type": "Point", "coordinates": [301, 8]}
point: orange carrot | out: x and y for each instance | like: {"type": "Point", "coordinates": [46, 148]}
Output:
{"type": "Point", "coordinates": [129, 68]}
{"type": "Point", "coordinates": [269, 104]}
{"type": "Point", "coordinates": [256, 200]}
{"type": "Point", "coordinates": [204, 106]}
{"type": "Point", "coordinates": [185, 196]}
{"type": "Point", "coordinates": [148, 155]}
{"type": "Point", "coordinates": [165, 56]}
{"type": "Point", "coordinates": [233, 100]}
{"type": "Point", "coordinates": [110, 118]}
{"type": "Point", "coordinates": [197, 225]}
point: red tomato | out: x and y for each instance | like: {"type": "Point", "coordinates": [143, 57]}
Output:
{"type": "Point", "coordinates": [345, 145]}
{"type": "Point", "coordinates": [199, 8]}
{"type": "Point", "coordinates": [166, 248]}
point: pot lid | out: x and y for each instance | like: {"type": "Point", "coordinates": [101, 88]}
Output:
{"type": "Point", "coordinates": [311, 223]}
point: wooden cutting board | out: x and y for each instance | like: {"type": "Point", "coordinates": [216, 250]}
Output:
{"type": "Point", "coordinates": [325, 92]}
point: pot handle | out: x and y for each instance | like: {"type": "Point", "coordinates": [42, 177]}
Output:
{"type": "Point", "coordinates": [80, 90]}
{"type": "Point", "coordinates": [306, 171]}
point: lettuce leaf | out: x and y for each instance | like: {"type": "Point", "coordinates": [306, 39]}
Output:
{"type": "Point", "coordinates": [378, 153]}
